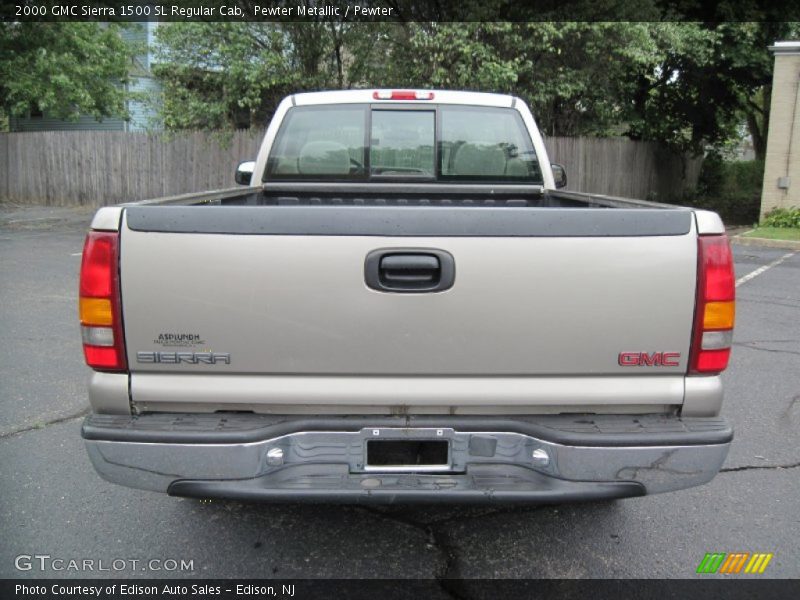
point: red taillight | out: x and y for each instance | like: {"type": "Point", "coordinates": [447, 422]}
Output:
{"type": "Point", "coordinates": [99, 357]}
{"type": "Point", "coordinates": [717, 268]}
{"type": "Point", "coordinates": [401, 95]}
{"type": "Point", "coordinates": [715, 306]}
{"type": "Point", "coordinates": [99, 303]}
{"type": "Point", "coordinates": [99, 252]}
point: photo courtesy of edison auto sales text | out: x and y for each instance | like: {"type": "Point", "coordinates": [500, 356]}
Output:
{"type": "Point", "coordinates": [129, 589]}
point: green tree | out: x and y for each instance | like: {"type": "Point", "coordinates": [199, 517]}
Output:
{"type": "Point", "coordinates": [757, 95]}
{"type": "Point", "coordinates": [582, 75]}
{"type": "Point", "coordinates": [63, 69]}
{"type": "Point", "coordinates": [688, 85]}
{"type": "Point", "coordinates": [469, 56]}
{"type": "Point", "coordinates": [232, 75]}
{"type": "Point", "coordinates": [219, 75]}
{"type": "Point", "coordinates": [714, 78]}
{"type": "Point", "coordinates": [577, 77]}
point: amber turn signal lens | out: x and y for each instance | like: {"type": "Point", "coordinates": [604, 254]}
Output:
{"type": "Point", "coordinates": [96, 311]}
{"type": "Point", "coordinates": [719, 315]}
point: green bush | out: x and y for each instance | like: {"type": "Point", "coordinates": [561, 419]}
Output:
{"type": "Point", "coordinates": [782, 217]}
{"type": "Point", "coordinates": [730, 188]}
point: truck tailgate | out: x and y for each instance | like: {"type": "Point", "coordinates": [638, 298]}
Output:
{"type": "Point", "coordinates": [260, 306]}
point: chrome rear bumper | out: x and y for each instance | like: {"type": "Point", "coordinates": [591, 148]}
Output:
{"type": "Point", "coordinates": [547, 459]}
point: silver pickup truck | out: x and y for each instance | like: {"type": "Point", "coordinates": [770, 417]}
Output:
{"type": "Point", "coordinates": [404, 305]}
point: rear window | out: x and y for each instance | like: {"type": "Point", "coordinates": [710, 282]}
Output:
{"type": "Point", "coordinates": [402, 143]}
{"type": "Point", "coordinates": [319, 141]}
{"type": "Point", "coordinates": [363, 142]}
{"type": "Point", "coordinates": [486, 143]}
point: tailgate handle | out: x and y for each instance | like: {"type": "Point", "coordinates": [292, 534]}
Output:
{"type": "Point", "coordinates": [409, 270]}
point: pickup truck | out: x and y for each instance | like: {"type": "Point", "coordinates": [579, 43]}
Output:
{"type": "Point", "coordinates": [404, 305]}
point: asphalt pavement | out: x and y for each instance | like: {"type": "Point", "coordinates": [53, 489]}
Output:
{"type": "Point", "coordinates": [53, 503]}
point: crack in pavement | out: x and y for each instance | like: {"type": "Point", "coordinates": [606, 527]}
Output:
{"type": "Point", "coordinates": [753, 347]}
{"type": "Point", "coordinates": [772, 342]}
{"type": "Point", "coordinates": [445, 576]}
{"type": "Point", "coordinates": [448, 577]}
{"type": "Point", "coordinates": [792, 402]}
{"type": "Point", "coordinates": [38, 426]}
{"type": "Point", "coordinates": [759, 467]}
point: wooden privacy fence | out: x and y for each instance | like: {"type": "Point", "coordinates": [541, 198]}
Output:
{"type": "Point", "coordinates": [624, 168]}
{"type": "Point", "coordinates": [96, 168]}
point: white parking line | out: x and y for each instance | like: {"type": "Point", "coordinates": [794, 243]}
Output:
{"type": "Point", "coordinates": [36, 219]}
{"type": "Point", "coordinates": [761, 270]}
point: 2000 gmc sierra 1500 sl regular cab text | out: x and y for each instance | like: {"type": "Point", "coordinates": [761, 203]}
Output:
{"type": "Point", "coordinates": [403, 306]}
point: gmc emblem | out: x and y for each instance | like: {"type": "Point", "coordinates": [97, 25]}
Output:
{"type": "Point", "coordinates": [653, 359]}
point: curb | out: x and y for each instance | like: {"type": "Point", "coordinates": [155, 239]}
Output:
{"type": "Point", "coordinates": [754, 241]}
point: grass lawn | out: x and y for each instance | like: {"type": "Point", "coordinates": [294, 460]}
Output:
{"type": "Point", "coordinates": [775, 233]}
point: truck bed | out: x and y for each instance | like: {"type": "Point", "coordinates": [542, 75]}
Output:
{"type": "Point", "coordinates": [543, 293]}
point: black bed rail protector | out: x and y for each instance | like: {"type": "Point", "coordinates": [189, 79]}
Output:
{"type": "Point", "coordinates": [372, 188]}
{"type": "Point", "coordinates": [610, 201]}
{"type": "Point", "coordinates": [411, 221]}
{"type": "Point", "coordinates": [574, 430]}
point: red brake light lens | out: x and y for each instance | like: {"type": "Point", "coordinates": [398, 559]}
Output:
{"type": "Point", "coordinates": [401, 95]}
{"type": "Point", "coordinates": [101, 358]}
{"type": "Point", "coordinates": [96, 271]}
{"type": "Point", "coordinates": [714, 307]}
{"type": "Point", "coordinates": [717, 268]}
{"type": "Point", "coordinates": [712, 361]}
{"type": "Point", "coordinates": [99, 305]}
